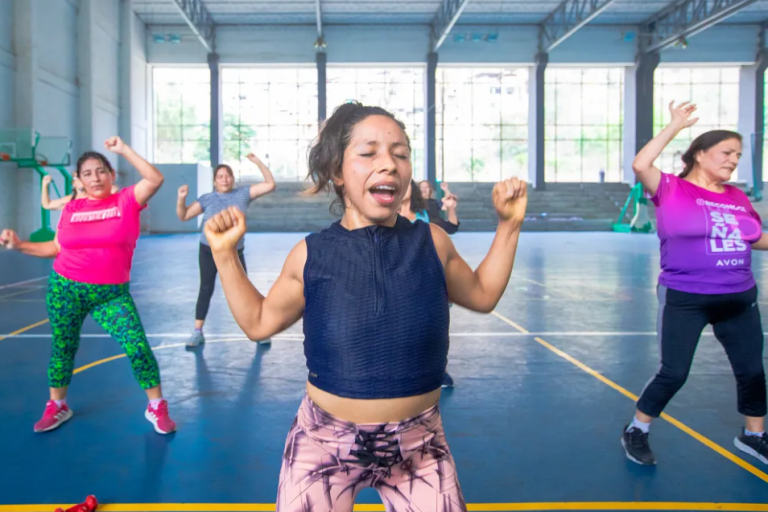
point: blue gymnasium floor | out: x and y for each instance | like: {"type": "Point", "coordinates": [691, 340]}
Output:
{"type": "Point", "coordinates": [544, 387]}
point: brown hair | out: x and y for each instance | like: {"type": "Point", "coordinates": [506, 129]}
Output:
{"type": "Point", "coordinates": [95, 155]}
{"type": "Point", "coordinates": [704, 142]}
{"type": "Point", "coordinates": [326, 155]}
{"type": "Point", "coordinates": [226, 167]}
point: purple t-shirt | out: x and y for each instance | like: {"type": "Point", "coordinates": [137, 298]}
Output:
{"type": "Point", "coordinates": [705, 237]}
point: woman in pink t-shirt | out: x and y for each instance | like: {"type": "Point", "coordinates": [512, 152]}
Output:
{"type": "Point", "coordinates": [91, 274]}
{"type": "Point", "coordinates": [708, 229]}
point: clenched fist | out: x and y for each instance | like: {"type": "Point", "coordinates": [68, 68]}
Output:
{"type": "Point", "coordinates": [183, 191]}
{"type": "Point", "coordinates": [115, 145]}
{"type": "Point", "coordinates": [510, 197]}
{"type": "Point", "coordinates": [9, 239]}
{"type": "Point", "coordinates": [225, 229]}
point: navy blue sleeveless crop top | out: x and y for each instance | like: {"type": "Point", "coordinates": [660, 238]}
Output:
{"type": "Point", "coordinates": [376, 311]}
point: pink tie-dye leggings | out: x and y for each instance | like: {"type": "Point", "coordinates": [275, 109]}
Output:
{"type": "Point", "coordinates": [327, 461]}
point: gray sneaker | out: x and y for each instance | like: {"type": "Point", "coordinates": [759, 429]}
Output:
{"type": "Point", "coordinates": [196, 339]}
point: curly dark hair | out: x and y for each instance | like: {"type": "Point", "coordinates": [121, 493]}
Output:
{"type": "Point", "coordinates": [326, 155]}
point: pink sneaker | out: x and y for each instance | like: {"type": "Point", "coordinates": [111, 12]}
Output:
{"type": "Point", "coordinates": [53, 417]}
{"type": "Point", "coordinates": [159, 418]}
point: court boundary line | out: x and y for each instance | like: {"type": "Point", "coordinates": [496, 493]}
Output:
{"type": "Point", "coordinates": [605, 380]}
{"type": "Point", "coordinates": [563, 334]}
{"type": "Point", "coordinates": [474, 507]}
{"type": "Point", "coordinates": [21, 292]}
{"type": "Point", "coordinates": [24, 329]}
{"type": "Point", "coordinates": [11, 285]}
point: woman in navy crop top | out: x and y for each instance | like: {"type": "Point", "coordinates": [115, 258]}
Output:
{"type": "Point", "coordinates": [376, 349]}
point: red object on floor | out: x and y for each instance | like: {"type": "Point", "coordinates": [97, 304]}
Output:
{"type": "Point", "coordinates": [90, 505]}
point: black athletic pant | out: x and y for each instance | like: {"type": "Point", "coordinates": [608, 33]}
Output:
{"type": "Point", "coordinates": [735, 319]}
{"type": "Point", "coordinates": [208, 279]}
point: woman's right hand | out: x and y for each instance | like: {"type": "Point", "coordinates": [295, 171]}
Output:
{"type": "Point", "coordinates": [47, 180]}
{"type": "Point", "coordinates": [681, 115]}
{"type": "Point", "coordinates": [9, 239]}
{"type": "Point", "coordinates": [225, 229]}
{"type": "Point", "coordinates": [183, 191]}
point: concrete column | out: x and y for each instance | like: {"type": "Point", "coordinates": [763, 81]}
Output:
{"type": "Point", "coordinates": [536, 155]}
{"type": "Point", "coordinates": [322, 97]}
{"type": "Point", "coordinates": [751, 120]}
{"type": "Point", "coordinates": [638, 109]}
{"type": "Point", "coordinates": [430, 124]}
{"type": "Point", "coordinates": [217, 141]}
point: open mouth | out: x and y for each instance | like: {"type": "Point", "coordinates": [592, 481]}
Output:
{"type": "Point", "coordinates": [384, 193]}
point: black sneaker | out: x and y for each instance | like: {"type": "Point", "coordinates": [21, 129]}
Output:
{"type": "Point", "coordinates": [757, 446]}
{"type": "Point", "coordinates": [635, 443]}
{"type": "Point", "coordinates": [447, 381]}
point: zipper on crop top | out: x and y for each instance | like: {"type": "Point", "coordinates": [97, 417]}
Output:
{"type": "Point", "coordinates": [378, 295]}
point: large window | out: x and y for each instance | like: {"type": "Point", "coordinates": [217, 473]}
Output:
{"type": "Point", "coordinates": [182, 115]}
{"type": "Point", "coordinates": [400, 90]}
{"type": "Point", "coordinates": [482, 123]}
{"type": "Point", "coordinates": [271, 112]}
{"type": "Point", "coordinates": [583, 124]}
{"type": "Point", "coordinates": [715, 91]}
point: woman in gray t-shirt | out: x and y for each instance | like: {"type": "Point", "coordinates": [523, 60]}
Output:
{"type": "Point", "coordinates": [224, 196]}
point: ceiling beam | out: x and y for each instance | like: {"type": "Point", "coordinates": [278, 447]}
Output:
{"type": "Point", "coordinates": [445, 19]}
{"type": "Point", "coordinates": [319, 14]}
{"type": "Point", "coordinates": [684, 19]}
{"type": "Point", "coordinates": [568, 18]}
{"type": "Point", "coordinates": [199, 20]}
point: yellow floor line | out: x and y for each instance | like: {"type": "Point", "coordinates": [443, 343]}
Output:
{"type": "Point", "coordinates": [677, 423]}
{"type": "Point", "coordinates": [472, 507]}
{"type": "Point", "coordinates": [25, 329]}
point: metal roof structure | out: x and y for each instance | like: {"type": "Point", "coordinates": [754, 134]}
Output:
{"type": "Point", "coordinates": [347, 12]}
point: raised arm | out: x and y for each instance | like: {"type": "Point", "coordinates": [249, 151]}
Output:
{"type": "Point", "coordinates": [183, 211]}
{"type": "Point", "coordinates": [646, 172]}
{"type": "Point", "coordinates": [151, 178]}
{"type": "Point", "coordinates": [10, 240]}
{"type": "Point", "coordinates": [268, 185]}
{"type": "Point", "coordinates": [45, 198]}
{"type": "Point", "coordinates": [482, 289]}
{"type": "Point", "coordinates": [258, 316]}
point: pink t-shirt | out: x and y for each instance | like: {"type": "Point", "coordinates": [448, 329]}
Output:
{"type": "Point", "coordinates": [98, 238]}
{"type": "Point", "coordinates": [705, 237]}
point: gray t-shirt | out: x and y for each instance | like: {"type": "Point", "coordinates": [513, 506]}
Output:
{"type": "Point", "coordinates": [214, 202]}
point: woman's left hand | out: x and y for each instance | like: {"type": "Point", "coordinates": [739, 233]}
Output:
{"type": "Point", "coordinates": [510, 197]}
{"type": "Point", "coordinates": [115, 145]}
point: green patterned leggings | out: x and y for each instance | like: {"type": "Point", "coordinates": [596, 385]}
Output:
{"type": "Point", "coordinates": [112, 306]}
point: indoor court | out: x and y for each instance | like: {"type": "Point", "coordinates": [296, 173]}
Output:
{"type": "Point", "coordinates": [559, 93]}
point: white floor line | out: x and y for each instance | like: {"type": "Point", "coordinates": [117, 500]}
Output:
{"type": "Point", "coordinates": [12, 285]}
{"type": "Point", "coordinates": [453, 335]}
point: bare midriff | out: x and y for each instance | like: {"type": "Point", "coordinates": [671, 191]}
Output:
{"type": "Point", "coordinates": [386, 410]}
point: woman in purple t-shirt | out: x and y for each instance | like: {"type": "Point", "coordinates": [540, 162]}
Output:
{"type": "Point", "coordinates": [707, 229]}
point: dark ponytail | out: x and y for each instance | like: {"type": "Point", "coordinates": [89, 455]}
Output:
{"type": "Point", "coordinates": [704, 142]}
{"type": "Point", "coordinates": [95, 155]}
{"type": "Point", "coordinates": [326, 155]}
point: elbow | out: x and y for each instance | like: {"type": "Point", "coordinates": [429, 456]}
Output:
{"type": "Point", "coordinates": [271, 186]}
{"type": "Point", "coordinates": [640, 167]}
{"type": "Point", "coordinates": [487, 308]}
{"type": "Point", "coordinates": [254, 335]}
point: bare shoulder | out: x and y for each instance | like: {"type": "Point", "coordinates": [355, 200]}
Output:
{"type": "Point", "coordinates": [296, 260]}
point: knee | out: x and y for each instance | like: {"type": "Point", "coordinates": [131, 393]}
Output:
{"type": "Point", "coordinates": [753, 376]}
{"type": "Point", "coordinates": [206, 288]}
{"type": "Point", "coordinates": [672, 379]}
